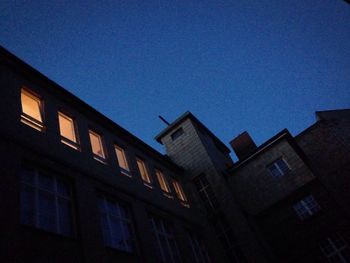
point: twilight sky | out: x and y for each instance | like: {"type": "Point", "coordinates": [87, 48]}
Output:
{"type": "Point", "coordinates": [237, 65]}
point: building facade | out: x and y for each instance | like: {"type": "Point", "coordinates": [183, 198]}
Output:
{"type": "Point", "coordinates": [77, 187]}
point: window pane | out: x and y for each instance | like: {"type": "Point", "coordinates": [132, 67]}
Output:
{"type": "Point", "coordinates": [121, 158]}
{"type": "Point", "coordinates": [143, 171]}
{"type": "Point", "coordinates": [105, 230]}
{"type": "Point", "coordinates": [46, 182]}
{"type": "Point", "coordinates": [47, 211]}
{"type": "Point", "coordinates": [65, 217]}
{"type": "Point", "coordinates": [63, 189]}
{"type": "Point", "coordinates": [180, 193]}
{"type": "Point", "coordinates": [162, 182]}
{"type": "Point", "coordinates": [117, 234]}
{"type": "Point", "coordinates": [27, 205]}
{"type": "Point", "coordinates": [66, 127]}
{"type": "Point", "coordinates": [31, 105]}
{"type": "Point", "coordinates": [27, 176]}
{"type": "Point", "coordinates": [96, 144]}
{"type": "Point", "coordinates": [113, 209]}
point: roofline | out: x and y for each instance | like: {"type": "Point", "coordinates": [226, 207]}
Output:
{"type": "Point", "coordinates": [110, 124]}
{"type": "Point", "coordinates": [282, 134]}
{"type": "Point", "coordinates": [189, 115]}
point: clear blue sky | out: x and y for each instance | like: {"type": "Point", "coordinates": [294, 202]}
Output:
{"type": "Point", "coordinates": [238, 65]}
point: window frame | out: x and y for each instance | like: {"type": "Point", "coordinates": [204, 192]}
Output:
{"type": "Point", "coordinates": [149, 181]}
{"type": "Point", "coordinates": [101, 159]}
{"type": "Point", "coordinates": [206, 193]}
{"type": "Point", "coordinates": [123, 171]}
{"type": "Point", "coordinates": [26, 118]}
{"type": "Point", "coordinates": [177, 133]}
{"type": "Point", "coordinates": [167, 234]}
{"type": "Point", "coordinates": [123, 220]}
{"type": "Point", "coordinates": [332, 242]}
{"type": "Point", "coordinates": [306, 207]}
{"type": "Point", "coordinates": [163, 183]}
{"type": "Point", "coordinates": [276, 166]}
{"type": "Point", "coordinates": [57, 196]}
{"type": "Point", "coordinates": [199, 250]}
{"type": "Point", "coordinates": [180, 192]}
{"type": "Point", "coordinates": [73, 144]}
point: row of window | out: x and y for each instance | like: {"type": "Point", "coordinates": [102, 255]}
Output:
{"type": "Point", "coordinates": [47, 203]}
{"type": "Point", "coordinates": [32, 115]}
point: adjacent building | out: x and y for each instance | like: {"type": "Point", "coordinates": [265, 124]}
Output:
{"type": "Point", "coordinates": [77, 187]}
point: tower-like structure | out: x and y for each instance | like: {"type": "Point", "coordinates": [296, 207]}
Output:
{"type": "Point", "coordinates": [205, 159]}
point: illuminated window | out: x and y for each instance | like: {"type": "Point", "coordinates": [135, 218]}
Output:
{"type": "Point", "coordinates": [143, 171]}
{"type": "Point", "coordinates": [97, 146]}
{"type": "Point", "coordinates": [46, 202]}
{"type": "Point", "coordinates": [306, 207]}
{"type": "Point", "coordinates": [162, 182]}
{"type": "Point", "coordinates": [179, 191]}
{"type": "Point", "coordinates": [123, 164]}
{"type": "Point", "coordinates": [166, 244]}
{"type": "Point", "coordinates": [116, 225]}
{"type": "Point", "coordinates": [32, 110]}
{"type": "Point", "coordinates": [199, 251]}
{"type": "Point", "coordinates": [336, 249]}
{"type": "Point", "coordinates": [278, 168]}
{"type": "Point", "coordinates": [68, 131]}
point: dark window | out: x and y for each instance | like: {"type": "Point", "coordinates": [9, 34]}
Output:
{"type": "Point", "coordinates": [199, 251]}
{"type": "Point", "coordinates": [116, 225]}
{"type": "Point", "coordinates": [176, 134]}
{"type": "Point", "coordinates": [166, 244]}
{"type": "Point", "coordinates": [306, 207]}
{"type": "Point", "coordinates": [278, 168]}
{"type": "Point", "coordinates": [206, 193]}
{"type": "Point", "coordinates": [225, 234]}
{"type": "Point", "coordinates": [46, 202]}
{"type": "Point", "coordinates": [335, 249]}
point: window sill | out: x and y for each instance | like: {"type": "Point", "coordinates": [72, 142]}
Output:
{"type": "Point", "coordinates": [100, 159]}
{"type": "Point", "coordinates": [70, 144]}
{"type": "Point", "coordinates": [45, 233]}
{"type": "Point", "coordinates": [168, 195]}
{"type": "Point", "coordinates": [32, 123]}
{"type": "Point", "coordinates": [118, 250]}
{"type": "Point", "coordinates": [148, 185]}
{"type": "Point", "coordinates": [185, 204]}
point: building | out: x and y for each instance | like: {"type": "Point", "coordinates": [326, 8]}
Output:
{"type": "Point", "coordinates": [77, 187]}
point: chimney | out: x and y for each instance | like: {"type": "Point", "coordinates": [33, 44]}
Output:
{"type": "Point", "coordinates": [243, 145]}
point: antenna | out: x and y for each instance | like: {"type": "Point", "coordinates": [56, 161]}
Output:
{"type": "Point", "coordinates": [164, 120]}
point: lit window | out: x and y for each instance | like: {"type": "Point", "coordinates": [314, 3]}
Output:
{"type": "Point", "coordinates": [116, 225]}
{"type": "Point", "coordinates": [162, 182]}
{"type": "Point", "coordinates": [179, 191]}
{"type": "Point", "coordinates": [32, 111]}
{"type": "Point", "coordinates": [278, 168]}
{"type": "Point", "coordinates": [200, 254]}
{"type": "Point", "coordinates": [97, 146]}
{"type": "Point", "coordinates": [123, 164]}
{"type": "Point", "coordinates": [336, 249]}
{"type": "Point", "coordinates": [143, 171]}
{"type": "Point", "coordinates": [68, 131]}
{"type": "Point", "coordinates": [306, 207]}
{"type": "Point", "coordinates": [46, 202]}
{"type": "Point", "coordinates": [166, 243]}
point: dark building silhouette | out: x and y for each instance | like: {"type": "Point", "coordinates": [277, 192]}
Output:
{"type": "Point", "coordinates": [77, 187]}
